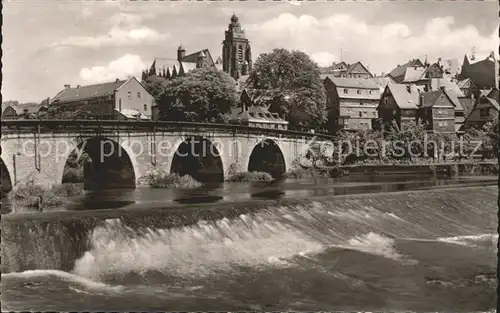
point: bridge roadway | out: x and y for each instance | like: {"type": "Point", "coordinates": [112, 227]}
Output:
{"type": "Point", "coordinates": [42, 147]}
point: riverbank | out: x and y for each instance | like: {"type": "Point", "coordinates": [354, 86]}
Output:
{"type": "Point", "coordinates": [447, 169]}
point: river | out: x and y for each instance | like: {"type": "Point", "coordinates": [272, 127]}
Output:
{"type": "Point", "coordinates": [391, 244]}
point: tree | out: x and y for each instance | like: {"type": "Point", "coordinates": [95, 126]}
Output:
{"type": "Point", "coordinates": [202, 95]}
{"type": "Point", "coordinates": [292, 80]}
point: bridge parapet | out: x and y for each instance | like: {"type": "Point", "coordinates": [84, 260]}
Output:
{"type": "Point", "coordinates": [111, 126]}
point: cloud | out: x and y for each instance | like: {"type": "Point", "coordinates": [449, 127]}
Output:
{"type": "Point", "coordinates": [123, 67]}
{"type": "Point", "coordinates": [324, 58]}
{"type": "Point", "coordinates": [381, 46]}
{"type": "Point", "coordinates": [115, 37]}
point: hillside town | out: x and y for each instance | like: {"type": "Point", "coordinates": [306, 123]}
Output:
{"type": "Point", "coordinates": [443, 95]}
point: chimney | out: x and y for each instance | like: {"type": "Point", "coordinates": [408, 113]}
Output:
{"type": "Point", "coordinates": [117, 80]}
{"type": "Point", "coordinates": [181, 53]}
{"type": "Point", "coordinates": [442, 88]}
{"type": "Point", "coordinates": [67, 86]}
{"type": "Point", "coordinates": [78, 86]}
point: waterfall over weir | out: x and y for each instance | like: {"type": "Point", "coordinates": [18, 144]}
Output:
{"type": "Point", "coordinates": [201, 238]}
{"type": "Point", "coordinates": [419, 251]}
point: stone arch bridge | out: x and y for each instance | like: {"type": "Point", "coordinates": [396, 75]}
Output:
{"type": "Point", "coordinates": [121, 152]}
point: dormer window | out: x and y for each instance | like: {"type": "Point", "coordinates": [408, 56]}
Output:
{"type": "Point", "coordinates": [345, 90]}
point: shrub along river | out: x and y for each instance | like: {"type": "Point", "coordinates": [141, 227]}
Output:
{"type": "Point", "coordinates": [406, 243]}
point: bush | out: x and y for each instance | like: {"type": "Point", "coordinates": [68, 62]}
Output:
{"type": "Point", "coordinates": [250, 177]}
{"type": "Point", "coordinates": [32, 194]}
{"type": "Point", "coordinates": [161, 179]}
{"type": "Point", "coordinates": [315, 172]}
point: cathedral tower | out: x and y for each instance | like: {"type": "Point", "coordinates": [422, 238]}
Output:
{"type": "Point", "coordinates": [236, 51]}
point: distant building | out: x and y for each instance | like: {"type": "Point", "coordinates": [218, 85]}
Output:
{"type": "Point", "coordinates": [171, 68]}
{"type": "Point", "coordinates": [398, 105]}
{"type": "Point", "coordinates": [253, 114]}
{"type": "Point", "coordinates": [342, 69]}
{"type": "Point", "coordinates": [437, 111]}
{"type": "Point", "coordinates": [483, 73]}
{"type": "Point", "coordinates": [398, 74]}
{"type": "Point", "coordinates": [440, 110]}
{"type": "Point", "coordinates": [120, 99]}
{"type": "Point", "coordinates": [468, 88]}
{"type": "Point", "coordinates": [485, 109]}
{"type": "Point", "coordinates": [23, 110]}
{"type": "Point", "coordinates": [351, 101]}
{"type": "Point", "coordinates": [236, 57]}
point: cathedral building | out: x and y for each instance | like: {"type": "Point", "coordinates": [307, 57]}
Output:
{"type": "Point", "coordinates": [236, 57]}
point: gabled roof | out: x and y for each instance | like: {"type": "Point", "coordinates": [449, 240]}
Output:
{"type": "Point", "coordinates": [467, 105]}
{"type": "Point", "coordinates": [21, 107]}
{"type": "Point", "coordinates": [430, 98]}
{"type": "Point", "coordinates": [465, 83]}
{"type": "Point", "coordinates": [88, 92]}
{"type": "Point", "coordinates": [482, 73]}
{"type": "Point", "coordinates": [256, 113]}
{"type": "Point", "coordinates": [193, 57]}
{"type": "Point", "coordinates": [359, 83]}
{"type": "Point", "coordinates": [352, 67]}
{"type": "Point", "coordinates": [489, 96]}
{"type": "Point", "coordinates": [406, 96]}
{"type": "Point", "coordinates": [413, 74]}
{"type": "Point", "coordinates": [133, 114]}
{"type": "Point", "coordinates": [399, 71]}
{"type": "Point", "coordinates": [167, 64]}
{"type": "Point", "coordinates": [437, 83]}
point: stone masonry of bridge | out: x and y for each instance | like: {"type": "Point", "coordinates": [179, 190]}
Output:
{"type": "Point", "coordinates": [45, 154]}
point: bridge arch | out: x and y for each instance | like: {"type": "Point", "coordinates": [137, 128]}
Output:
{"type": "Point", "coordinates": [267, 156]}
{"type": "Point", "coordinates": [100, 163]}
{"type": "Point", "coordinates": [6, 178]}
{"type": "Point", "coordinates": [198, 157]}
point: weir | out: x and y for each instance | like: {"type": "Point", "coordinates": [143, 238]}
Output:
{"type": "Point", "coordinates": [59, 240]}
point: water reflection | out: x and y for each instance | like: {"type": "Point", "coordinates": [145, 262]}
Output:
{"type": "Point", "coordinates": [143, 197]}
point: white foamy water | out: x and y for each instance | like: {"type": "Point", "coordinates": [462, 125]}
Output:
{"type": "Point", "coordinates": [195, 250]}
{"type": "Point", "coordinates": [470, 240]}
{"type": "Point", "coordinates": [374, 244]}
{"type": "Point", "coordinates": [68, 277]}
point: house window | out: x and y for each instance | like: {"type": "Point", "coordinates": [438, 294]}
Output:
{"type": "Point", "coordinates": [138, 95]}
{"type": "Point", "coordinates": [370, 92]}
{"type": "Point", "coordinates": [361, 103]}
{"type": "Point", "coordinates": [360, 114]}
{"type": "Point", "coordinates": [129, 95]}
{"type": "Point", "coordinates": [145, 107]}
{"type": "Point", "coordinates": [345, 90]}
{"type": "Point", "coordinates": [358, 91]}
{"type": "Point", "coordinates": [120, 104]}
{"type": "Point", "coordinates": [375, 114]}
{"type": "Point", "coordinates": [484, 112]}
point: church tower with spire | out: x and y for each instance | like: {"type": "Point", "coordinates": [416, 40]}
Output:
{"type": "Point", "coordinates": [236, 51]}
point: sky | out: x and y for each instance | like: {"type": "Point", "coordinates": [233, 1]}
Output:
{"type": "Point", "coordinates": [47, 44]}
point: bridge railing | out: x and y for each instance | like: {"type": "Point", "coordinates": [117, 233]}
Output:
{"type": "Point", "coordinates": [104, 126]}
